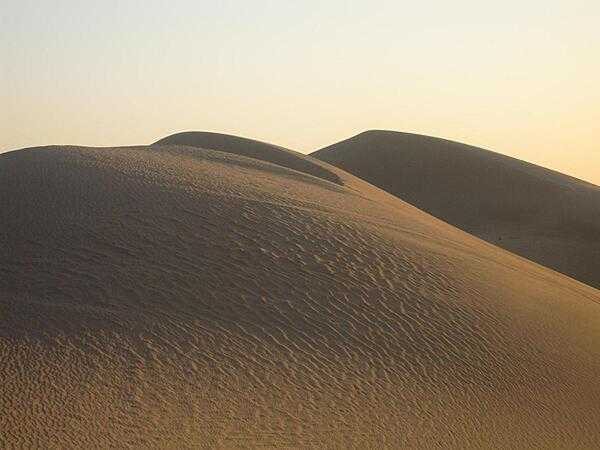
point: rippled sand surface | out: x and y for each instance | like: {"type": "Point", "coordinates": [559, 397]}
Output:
{"type": "Point", "coordinates": [176, 297]}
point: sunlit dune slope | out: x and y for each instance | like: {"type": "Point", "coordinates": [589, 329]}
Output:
{"type": "Point", "coordinates": [177, 297]}
{"type": "Point", "coordinates": [545, 216]}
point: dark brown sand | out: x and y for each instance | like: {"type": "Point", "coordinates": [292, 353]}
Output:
{"type": "Point", "coordinates": [171, 296]}
{"type": "Point", "coordinates": [545, 216]}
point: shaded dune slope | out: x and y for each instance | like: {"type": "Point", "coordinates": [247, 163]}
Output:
{"type": "Point", "coordinates": [253, 149]}
{"type": "Point", "coordinates": [543, 215]}
{"type": "Point", "coordinates": [180, 297]}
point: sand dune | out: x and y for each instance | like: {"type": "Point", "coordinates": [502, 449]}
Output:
{"type": "Point", "coordinates": [545, 216]}
{"type": "Point", "coordinates": [253, 149]}
{"type": "Point", "coordinates": [172, 296]}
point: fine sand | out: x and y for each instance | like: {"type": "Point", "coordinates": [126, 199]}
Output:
{"type": "Point", "coordinates": [172, 296]}
{"type": "Point", "coordinates": [545, 216]}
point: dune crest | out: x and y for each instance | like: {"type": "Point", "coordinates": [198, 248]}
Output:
{"type": "Point", "coordinates": [172, 296]}
{"type": "Point", "coordinates": [543, 215]}
{"type": "Point", "coordinates": [253, 149]}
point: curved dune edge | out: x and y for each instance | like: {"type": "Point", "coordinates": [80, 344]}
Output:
{"type": "Point", "coordinates": [540, 214]}
{"type": "Point", "coordinates": [182, 297]}
{"type": "Point", "coordinates": [253, 149]}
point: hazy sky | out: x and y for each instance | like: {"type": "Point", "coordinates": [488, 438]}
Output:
{"type": "Point", "coordinates": [518, 77]}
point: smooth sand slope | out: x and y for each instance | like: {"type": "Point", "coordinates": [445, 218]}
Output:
{"type": "Point", "coordinates": [545, 216]}
{"type": "Point", "coordinates": [170, 296]}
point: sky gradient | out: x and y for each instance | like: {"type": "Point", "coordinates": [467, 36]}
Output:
{"type": "Point", "coordinates": [519, 78]}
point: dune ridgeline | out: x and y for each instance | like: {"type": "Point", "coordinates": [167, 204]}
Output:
{"type": "Point", "coordinates": [210, 291]}
{"type": "Point", "coordinates": [543, 215]}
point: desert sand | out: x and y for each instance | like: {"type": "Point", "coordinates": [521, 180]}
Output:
{"type": "Point", "coordinates": [171, 296]}
{"type": "Point", "coordinates": [543, 215]}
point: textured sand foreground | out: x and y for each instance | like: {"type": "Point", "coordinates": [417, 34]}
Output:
{"type": "Point", "coordinates": [545, 216]}
{"type": "Point", "coordinates": [171, 296]}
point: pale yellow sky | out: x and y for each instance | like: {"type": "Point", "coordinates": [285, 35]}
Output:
{"type": "Point", "coordinates": [520, 78]}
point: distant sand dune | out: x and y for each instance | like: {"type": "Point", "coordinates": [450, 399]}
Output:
{"type": "Point", "coordinates": [540, 214]}
{"type": "Point", "coordinates": [172, 296]}
{"type": "Point", "coordinates": [253, 149]}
